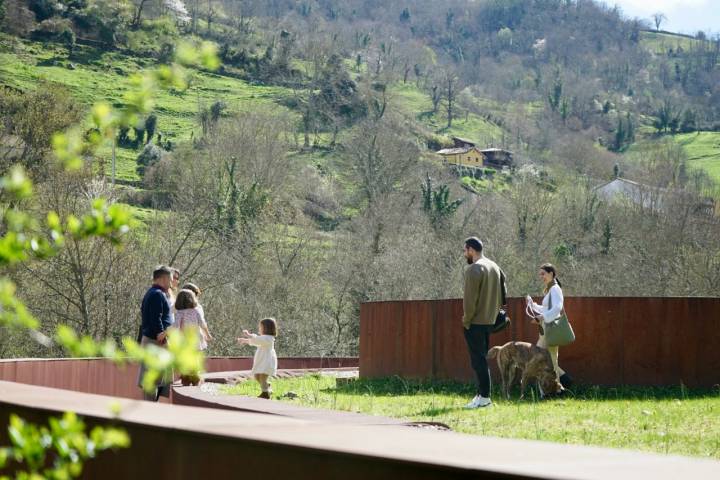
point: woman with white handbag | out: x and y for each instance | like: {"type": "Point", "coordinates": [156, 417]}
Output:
{"type": "Point", "coordinates": [555, 329]}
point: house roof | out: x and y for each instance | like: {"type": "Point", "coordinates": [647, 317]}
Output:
{"type": "Point", "coordinates": [492, 150]}
{"type": "Point", "coordinates": [455, 151]}
{"type": "Point", "coordinates": [645, 195]}
{"type": "Point", "coordinates": [464, 140]}
{"type": "Point", "coordinates": [623, 182]}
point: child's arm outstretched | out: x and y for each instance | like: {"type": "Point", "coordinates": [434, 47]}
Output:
{"type": "Point", "coordinates": [245, 339]}
{"type": "Point", "coordinates": [256, 341]}
{"type": "Point", "coordinates": [260, 341]}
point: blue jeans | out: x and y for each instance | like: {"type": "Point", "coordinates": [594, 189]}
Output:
{"type": "Point", "coordinates": [478, 339]}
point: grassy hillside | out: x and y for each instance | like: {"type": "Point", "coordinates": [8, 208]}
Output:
{"type": "Point", "coordinates": [94, 75]}
{"type": "Point", "coordinates": [661, 42]}
{"type": "Point", "coordinates": [469, 125]}
{"type": "Point", "coordinates": [97, 75]}
{"type": "Point", "coordinates": [703, 151]}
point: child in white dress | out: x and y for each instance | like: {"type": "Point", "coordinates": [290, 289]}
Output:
{"type": "Point", "coordinates": [265, 360]}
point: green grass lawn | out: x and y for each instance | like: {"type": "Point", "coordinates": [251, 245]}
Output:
{"type": "Point", "coordinates": [104, 76]}
{"type": "Point", "coordinates": [660, 43]}
{"type": "Point", "coordinates": [410, 99]}
{"type": "Point", "coordinates": [662, 420]}
{"type": "Point", "coordinates": [703, 151]}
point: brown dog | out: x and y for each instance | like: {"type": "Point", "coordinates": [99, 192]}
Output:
{"type": "Point", "coordinates": [533, 363]}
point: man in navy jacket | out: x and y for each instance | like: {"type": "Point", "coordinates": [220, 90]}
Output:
{"type": "Point", "coordinates": [156, 319]}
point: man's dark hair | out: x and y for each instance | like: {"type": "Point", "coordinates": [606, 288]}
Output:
{"type": "Point", "coordinates": [161, 271]}
{"type": "Point", "coordinates": [474, 243]}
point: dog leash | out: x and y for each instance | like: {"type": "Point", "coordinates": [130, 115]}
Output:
{"type": "Point", "coordinates": [530, 313]}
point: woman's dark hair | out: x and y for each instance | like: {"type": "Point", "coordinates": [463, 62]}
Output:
{"type": "Point", "coordinates": [268, 326]}
{"type": "Point", "coordinates": [193, 288]}
{"type": "Point", "coordinates": [550, 268]}
{"type": "Point", "coordinates": [185, 300]}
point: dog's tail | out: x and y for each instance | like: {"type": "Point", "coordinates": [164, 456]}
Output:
{"type": "Point", "coordinates": [492, 353]}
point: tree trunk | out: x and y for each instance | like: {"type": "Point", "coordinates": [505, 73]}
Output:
{"type": "Point", "coordinates": [138, 15]}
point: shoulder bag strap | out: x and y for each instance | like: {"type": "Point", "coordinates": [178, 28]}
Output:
{"type": "Point", "coordinates": [503, 287]}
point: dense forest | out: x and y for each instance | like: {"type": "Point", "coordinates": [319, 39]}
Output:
{"type": "Point", "coordinates": [299, 179]}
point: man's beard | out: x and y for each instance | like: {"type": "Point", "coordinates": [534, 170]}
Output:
{"type": "Point", "coordinates": [469, 260]}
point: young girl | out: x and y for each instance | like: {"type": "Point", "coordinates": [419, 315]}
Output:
{"type": "Point", "coordinates": [265, 360]}
{"type": "Point", "coordinates": [196, 290]}
{"type": "Point", "coordinates": [189, 315]}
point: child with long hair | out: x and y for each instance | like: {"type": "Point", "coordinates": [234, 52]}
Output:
{"type": "Point", "coordinates": [196, 290]}
{"type": "Point", "coordinates": [265, 360]}
{"type": "Point", "coordinates": [188, 314]}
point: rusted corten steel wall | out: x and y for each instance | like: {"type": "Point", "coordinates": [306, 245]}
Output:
{"type": "Point", "coordinates": [99, 376]}
{"type": "Point", "coordinates": [620, 341]}
{"type": "Point", "coordinates": [170, 442]}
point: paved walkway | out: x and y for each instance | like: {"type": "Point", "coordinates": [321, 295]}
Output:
{"type": "Point", "coordinates": [244, 375]}
{"type": "Point", "coordinates": [208, 395]}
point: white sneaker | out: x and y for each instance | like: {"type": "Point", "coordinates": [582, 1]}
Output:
{"type": "Point", "coordinates": [479, 402]}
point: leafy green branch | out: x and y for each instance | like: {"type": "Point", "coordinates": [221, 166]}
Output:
{"type": "Point", "coordinates": [58, 451]}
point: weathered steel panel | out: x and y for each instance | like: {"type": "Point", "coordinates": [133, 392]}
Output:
{"type": "Point", "coordinates": [177, 443]}
{"type": "Point", "coordinates": [416, 330]}
{"type": "Point", "coordinates": [99, 376]}
{"type": "Point", "coordinates": [620, 341]}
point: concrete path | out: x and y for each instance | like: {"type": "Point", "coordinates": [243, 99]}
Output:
{"type": "Point", "coordinates": [208, 395]}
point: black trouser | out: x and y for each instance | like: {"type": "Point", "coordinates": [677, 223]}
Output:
{"type": "Point", "coordinates": [478, 338]}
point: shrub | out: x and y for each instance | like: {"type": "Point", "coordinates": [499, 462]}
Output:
{"type": "Point", "coordinates": [44, 9]}
{"type": "Point", "coordinates": [150, 127]}
{"type": "Point", "coordinates": [34, 117]}
{"type": "Point", "coordinates": [161, 26]}
{"type": "Point", "coordinates": [102, 21]}
{"type": "Point", "coordinates": [166, 53]}
{"type": "Point", "coordinates": [139, 42]}
{"type": "Point", "coordinates": [55, 30]}
{"type": "Point", "coordinates": [150, 155]}
{"type": "Point", "coordinates": [18, 19]}
{"type": "Point", "coordinates": [154, 38]}
{"type": "Point", "coordinates": [123, 139]}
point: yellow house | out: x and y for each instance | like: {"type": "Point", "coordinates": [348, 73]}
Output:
{"type": "Point", "coordinates": [469, 156]}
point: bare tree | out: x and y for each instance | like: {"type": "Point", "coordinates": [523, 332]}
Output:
{"type": "Point", "coordinates": [89, 285]}
{"type": "Point", "coordinates": [434, 88]}
{"type": "Point", "coordinates": [658, 19]}
{"type": "Point", "coordinates": [137, 13]}
{"type": "Point", "coordinates": [451, 87]}
{"type": "Point", "coordinates": [380, 158]}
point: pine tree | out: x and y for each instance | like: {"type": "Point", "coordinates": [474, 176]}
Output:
{"type": "Point", "coordinates": [606, 237]}
{"type": "Point", "coordinates": [437, 204]}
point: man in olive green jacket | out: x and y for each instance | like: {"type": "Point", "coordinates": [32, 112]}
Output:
{"type": "Point", "coordinates": [484, 294]}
